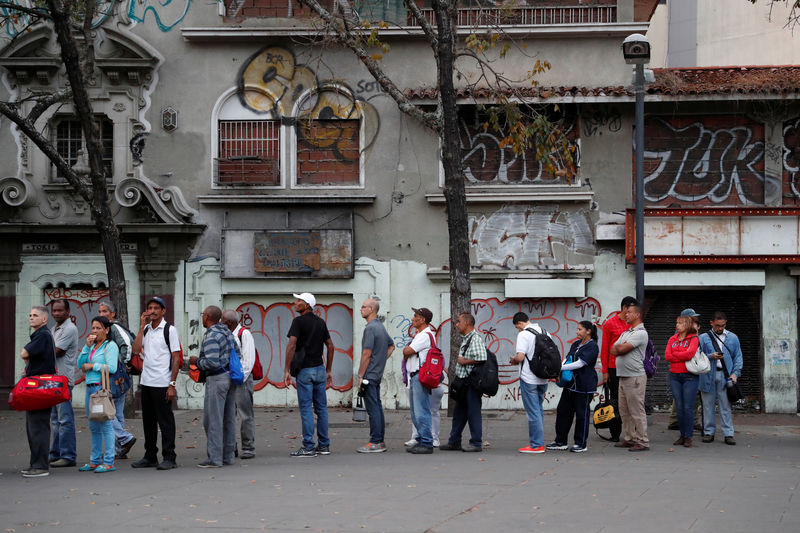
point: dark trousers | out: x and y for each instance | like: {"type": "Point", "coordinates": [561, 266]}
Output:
{"type": "Point", "coordinates": [372, 403]}
{"type": "Point", "coordinates": [613, 387]}
{"type": "Point", "coordinates": [467, 411]}
{"type": "Point", "coordinates": [37, 426]}
{"type": "Point", "coordinates": [157, 413]}
{"type": "Point", "coordinates": [573, 405]}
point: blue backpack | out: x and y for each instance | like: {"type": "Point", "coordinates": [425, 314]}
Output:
{"type": "Point", "coordinates": [235, 365]}
{"type": "Point", "coordinates": [651, 358]}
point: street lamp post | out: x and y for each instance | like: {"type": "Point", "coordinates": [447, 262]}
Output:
{"type": "Point", "coordinates": [636, 50]}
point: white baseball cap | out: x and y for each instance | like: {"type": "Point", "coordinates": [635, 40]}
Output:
{"type": "Point", "coordinates": [307, 297]}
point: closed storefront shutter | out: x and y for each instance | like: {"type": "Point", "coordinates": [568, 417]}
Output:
{"type": "Point", "coordinates": [743, 308]}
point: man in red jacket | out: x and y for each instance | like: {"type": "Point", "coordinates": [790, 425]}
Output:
{"type": "Point", "coordinates": [613, 327]}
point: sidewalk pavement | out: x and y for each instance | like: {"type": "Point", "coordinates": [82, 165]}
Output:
{"type": "Point", "coordinates": [745, 488]}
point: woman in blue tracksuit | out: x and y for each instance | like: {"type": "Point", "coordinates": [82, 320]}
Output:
{"type": "Point", "coordinates": [575, 398]}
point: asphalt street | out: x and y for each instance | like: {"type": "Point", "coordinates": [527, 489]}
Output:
{"type": "Point", "coordinates": [750, 487]}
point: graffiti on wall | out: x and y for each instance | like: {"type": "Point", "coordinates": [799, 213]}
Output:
{"type": "Point", "coordinates": [166, 13]}
{"type": "Point", "coordinates": [269, 328]}
{"type": "Point", "coordinates": [791, 159]}
{"type": "Point", "coordinates": [716, 160]}
{"type": "Point", "coordinates": [272, 81]}
{"type": "Point", "coordinates": [523, 237]}
{"type": "Point", "coordinates": [488, 160]}
{"type": "Point", "coordinates": [83, 305]}
{"type": "Point", "coordinates": [493, 320]}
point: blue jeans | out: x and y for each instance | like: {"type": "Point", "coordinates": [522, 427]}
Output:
{"type": "Point", "coordinates": [102, 434]}
{"type": "Point", "coordinates": [62, 419]}
{"type": "Point", "coordinates": [717, 396]}
{"type": "Point", "coordinates": [421, 411]}
{"type": "Point", "coordinates": [684, 390]}
{"type": "Point", "coordinates": [311, 395]}
{"type": "Point", "coordinates": [372, 402]}
{"type": "Point", "coordinates": [121, 434]}
{"type": "Point", "coordinates": [468, 411]}
{"type": "Point", "coordinates": [532, 399]}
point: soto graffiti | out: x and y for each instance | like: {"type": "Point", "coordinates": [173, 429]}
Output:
{"type": "Point", "coordinates": [269, 328]}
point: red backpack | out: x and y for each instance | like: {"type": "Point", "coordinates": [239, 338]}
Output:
{"type": "Point", "coordinates": [430, 373]}
{"type": "Point", "coordinates": [258, 370]}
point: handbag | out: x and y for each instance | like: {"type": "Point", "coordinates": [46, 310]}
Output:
{"type": "Point", "coordinates": [297, 362]}
{"type": "Point", "coordinates": [36, 393]}
{"type": "Point", "coordinates": [196, 375]}
{"type": "Point", "coordinates": [699, 363]}
{"type": "Point", "coordinates": [458, 388]}
{"type": "Point", "coordinates": [732, 389]}
{"type": "Point", "coordinates": [101, 404]}
{"type": "Point", "coordinates": [605, 415]}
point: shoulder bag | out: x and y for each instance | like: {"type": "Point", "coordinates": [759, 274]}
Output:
{"type": "Point", "coordinates": [101, 404]}
{"type": "Point", "coordinates": [699, 363]}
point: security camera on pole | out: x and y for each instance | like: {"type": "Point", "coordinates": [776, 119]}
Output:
{"type": "Point", "coordinates": [636, 50]}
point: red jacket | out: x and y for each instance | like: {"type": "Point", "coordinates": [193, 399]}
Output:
{"type": "Point", "coordinates": [679, 351]}
{"type": "Point", "coordinates": [612, 329]}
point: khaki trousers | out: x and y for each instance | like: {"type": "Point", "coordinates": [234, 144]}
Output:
{"type": "Point", "coordinates": [631, 409]}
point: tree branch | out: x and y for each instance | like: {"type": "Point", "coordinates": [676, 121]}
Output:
{"type": "Point", "coordinates": [45, 101]}
{"type": "Point", "coordinates": [44, 144]}
{"type": "Point", "coordinates": [430, 33]}
{"type": "Point", "coordinates": [341, 36]}
{"type": "Point", "coordinates": [32, 11]}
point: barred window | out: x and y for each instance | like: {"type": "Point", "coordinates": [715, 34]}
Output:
{"type": "Point", "coordinates": [248, 152]}
{"type": "Point", "coordinates": [69, 139]}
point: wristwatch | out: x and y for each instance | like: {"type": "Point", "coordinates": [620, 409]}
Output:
{"type": "Point", "coordinates": [171, 383]}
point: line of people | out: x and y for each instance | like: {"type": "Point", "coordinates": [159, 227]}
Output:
{"type": "Point", "coordinates": [308, 364]}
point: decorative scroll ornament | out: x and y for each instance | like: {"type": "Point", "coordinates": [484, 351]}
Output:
{"type": "Point", "coordinates": [17, 192]}
{"type": "Point", "coordinates": [168, 202]}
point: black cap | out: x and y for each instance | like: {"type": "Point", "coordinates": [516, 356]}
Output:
{"type": "Point", "coordinates": [425, 313]}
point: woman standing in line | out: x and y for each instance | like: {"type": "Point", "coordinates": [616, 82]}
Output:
{"type": "Point", "coordinates": [99, 351]}
{"type": "Point", "coordinates": [681, 347]}
{"type": "Point", "coordinates": [575, 397]}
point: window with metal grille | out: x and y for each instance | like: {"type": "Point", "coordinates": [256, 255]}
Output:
{"type": "Point", "coordinates": [328, 152]}
{"type": "Point", "coordinates": [69, 139]}
{"type": "Point", "coordinates": [249, 152]}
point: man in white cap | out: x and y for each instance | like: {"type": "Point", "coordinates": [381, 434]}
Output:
{"type": "Point", "coordinates": [307, 335]}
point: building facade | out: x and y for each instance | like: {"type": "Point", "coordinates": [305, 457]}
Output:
{"type": "Point", "coordinates": [250, 159]}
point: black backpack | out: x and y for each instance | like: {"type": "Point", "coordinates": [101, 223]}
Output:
{"type": "Point", "coordinates": [546, 360]}
{"type": "Point", "coordinates": [484, 378]}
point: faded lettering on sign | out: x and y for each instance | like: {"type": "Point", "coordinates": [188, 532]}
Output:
{"type": "Point", "coordinates": [289, 251]}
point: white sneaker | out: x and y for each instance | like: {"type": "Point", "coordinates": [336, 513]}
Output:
{"type": "Point", "coordinates": [436, 443]}
{"type": "Point", "coordinates": [412, 442]}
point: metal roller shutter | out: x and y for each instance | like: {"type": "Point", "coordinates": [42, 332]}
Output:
{"type": "Point", "coordinates": [743, 308]}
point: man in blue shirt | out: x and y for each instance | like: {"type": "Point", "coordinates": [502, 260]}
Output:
{"type": "Point", "coordinates": [376, 347]}
{"type": "Point", "coordinates": [723, 348]}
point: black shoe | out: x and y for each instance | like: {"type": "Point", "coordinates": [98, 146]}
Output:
{"type": "Point", "coordinates": [730, 441]}
{"type": "Point", "coordinates": [125, 448]}
{"type": "Point", "coordinates": [144, 462]}
{"type": "Point", "coordinates": [708, 438]}
{"type": "Point", "coordinates": [450, 447]}
{"type": "Point", "coordinates": [674, 426]}
{"type": "Point", "coordinates": [166, 464]}
{"type": "Point", "coordinates": [323, 450]}
{"type": "Point", "coordinates": [420, 449]}
{"type": "Point", "coordinates": [470, 449]}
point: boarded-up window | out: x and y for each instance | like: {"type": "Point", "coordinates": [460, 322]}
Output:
{"type": "Point", "coordinates": [328, 152]}
{"type": "Point", "coordinates": [249, 152]}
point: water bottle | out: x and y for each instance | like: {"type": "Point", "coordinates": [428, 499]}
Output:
{"type": "Point", "coordinates": [729, 383]}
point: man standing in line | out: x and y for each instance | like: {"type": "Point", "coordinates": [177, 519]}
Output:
{"type": "Point", "coordinates": [63, 450]}
{"type": "Point", "coordinates": [724, 347]}
{"type": "Point", "coordinates": [160, 366]}
{"type": "Point", "coordinates": [532, 387]}
{"type": "Point", "coordinates": [307, 335]}
{"type": "Point", "coordinates": [420, 397]}
{"type": "Point", "coordinates": [244, 393]}
{"type": "Point", "coordinates": [124, 340]}
{"type": "Point", "coordinates": [39, 356]}
{"type": "Point", "coordinates": [376, 347]}
{"type": "Point", "coordinates": [219, 402]}
{"type": "Point", "coordinates": [613, 327]}
{"type": "Point", "coordinates": [467, 410]}
{"type": "Point", "coordinates": [629, 351]}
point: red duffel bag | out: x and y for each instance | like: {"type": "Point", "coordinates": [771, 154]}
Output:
{"type": "Point", "coordinates": [34, 393]}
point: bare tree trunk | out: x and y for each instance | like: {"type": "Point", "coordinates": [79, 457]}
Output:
{"type": "Point", "coordinates": [99, 201]}
{"type": "Point", "coordinates": [454, 189]}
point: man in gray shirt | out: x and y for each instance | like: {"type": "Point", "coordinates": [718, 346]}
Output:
{"type": "Point", "coordinates": [376, 347]}
{"type": "Point", "coordinates": [629, 351]}
{"type": "Point", "coordinates": [63, 450]}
